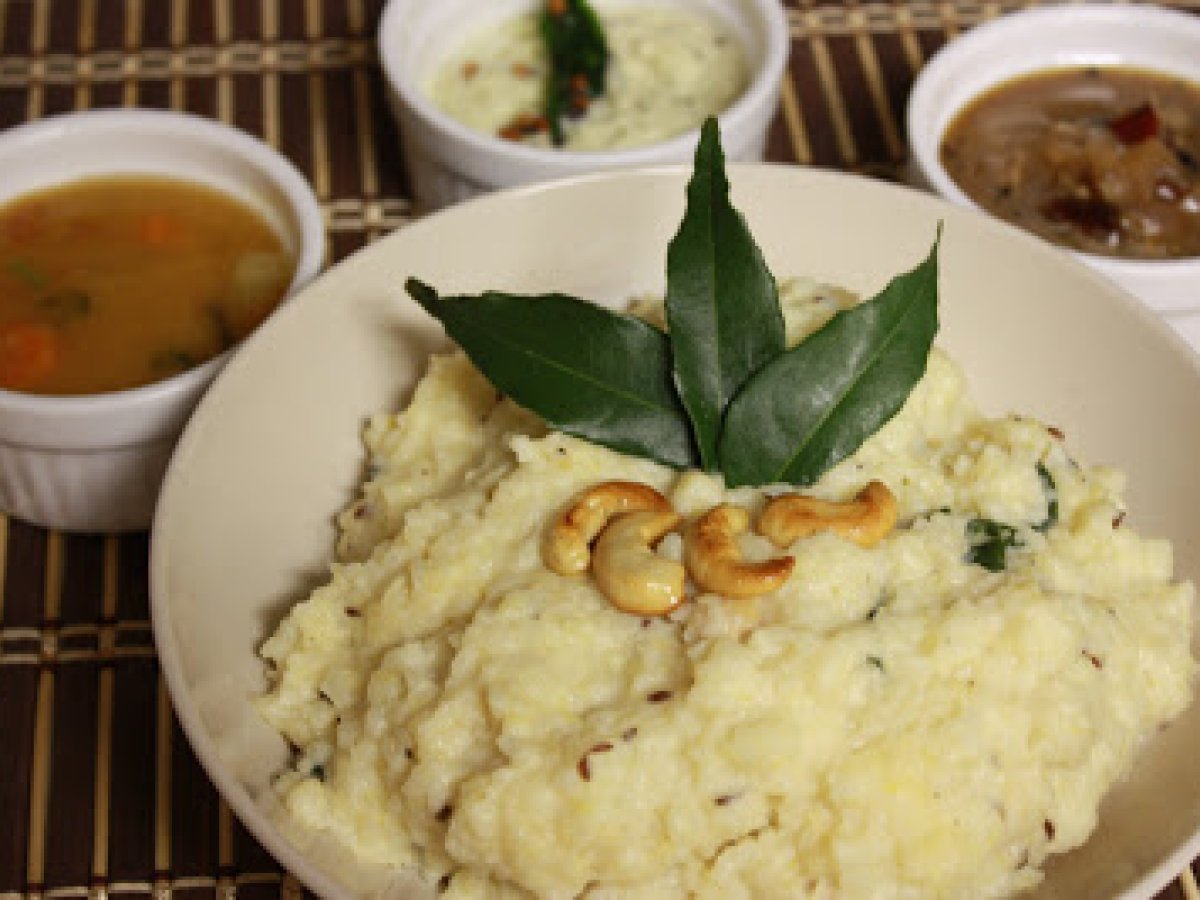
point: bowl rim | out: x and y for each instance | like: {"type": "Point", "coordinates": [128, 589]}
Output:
{"type": "Point", "coordinates": [759, 91]}
{"type": "Point", "coordinates": [954, 57]}
{"type": "Point", "coordinates": [208, 754]}
{"type": "Point", "coordinates": [299, 194]}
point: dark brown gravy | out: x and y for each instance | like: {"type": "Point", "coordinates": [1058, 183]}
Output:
{"type": "Point", "coordinates": [1103, 160]}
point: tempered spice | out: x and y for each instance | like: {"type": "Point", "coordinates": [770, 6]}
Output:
{"type": "Point", "coordinates": [584, 767]}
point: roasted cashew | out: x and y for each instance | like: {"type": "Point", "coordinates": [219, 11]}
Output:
{"type": "Point", "coordinates": [633, 577]}
{"type": "Point", "coordinates": [866, 520]}
{"type": "Point", "coordinates": [714, 560]}
{"type": "Point", "coordinates": [567, 549]}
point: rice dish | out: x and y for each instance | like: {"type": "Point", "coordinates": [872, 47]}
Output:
{"type": "Point", "coordinates": [896, 721]}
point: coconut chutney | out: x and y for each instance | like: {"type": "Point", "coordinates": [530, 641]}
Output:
{"type": "Point", "coordinates": [670, 68]}
{"type": "Point", "coordinates": [899, 721]}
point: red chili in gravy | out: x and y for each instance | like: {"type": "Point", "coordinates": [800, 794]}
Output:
{"type": "Point", "coordinates": [1102, 159]}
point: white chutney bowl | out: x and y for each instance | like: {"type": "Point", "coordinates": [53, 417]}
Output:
{"type": "Point", "coordinates": [94, 463]}
{"type": "Point", "coordinates": [449, 161]}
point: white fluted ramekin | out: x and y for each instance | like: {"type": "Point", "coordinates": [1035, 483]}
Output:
{"type": "Point", "coordinates": [1055, 37]}
{"type": "Point", "coordinates": [449, 162]}
{"type": "Point", "coordinates": [94, 463]}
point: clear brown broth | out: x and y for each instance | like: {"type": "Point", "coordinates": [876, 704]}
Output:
{"type": "Point", "coordinates": [116, 282]}
{"type": "Point", "coordinates": [1069, 155]}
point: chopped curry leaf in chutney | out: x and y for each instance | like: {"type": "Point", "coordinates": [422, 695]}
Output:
{"type": "Point", "coordinates": [115, 282]}
{"type": "Point", "coordinates": [1103, 160]}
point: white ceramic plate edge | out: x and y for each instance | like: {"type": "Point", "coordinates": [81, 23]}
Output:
{"type": "Point", "coordinates": [751, 183]}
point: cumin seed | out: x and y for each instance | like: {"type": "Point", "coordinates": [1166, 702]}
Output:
{"type": "Point", "coordinates": [584, 767]}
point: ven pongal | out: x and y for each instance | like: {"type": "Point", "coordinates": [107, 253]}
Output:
{"type": "Point", "coordinates": [930, 707]}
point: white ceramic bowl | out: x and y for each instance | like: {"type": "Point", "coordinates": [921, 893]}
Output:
{"type": "Point", "coordinates": [449, 161]}
{"type": "Point", "coordinates": [94, 463]}
{"type": "Point", "coordinates": [244, 526]}
{"type": "Point", "coordinates": [1062, 36]}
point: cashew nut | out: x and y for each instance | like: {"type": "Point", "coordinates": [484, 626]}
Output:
{"type": "Point", "coordinates": [866, 520]}
{"type": "Point", "coordinates": [632, 576]}
{"type": "Point", "coordinates": [567, 549]}
{"type": "Point", "coordinates": [714, 559]}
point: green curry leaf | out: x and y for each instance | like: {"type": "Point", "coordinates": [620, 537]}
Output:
{"type": "Point", "coordinates": [722, 304]}
{"type": "Point", "coordinates": [578, 54]}
{"type": "Point", "coordinates": [24, 271]}
{"type": "Point", "coordinates": [815, 405]}
{"type": "Point", "coordinates": [586, 370]}
{"type": "Point", "coordinates": [988, 543]}
{"type": "Point", "coordinates": [721, 391]}
{"type": "Point", "coordinates": [1050, 490]}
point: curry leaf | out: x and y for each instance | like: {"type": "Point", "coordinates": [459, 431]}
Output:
{"type": "Point", "coordinates": [721, 391]}
{"type": "Point", "coordinates": [584, 369]}
{"type": "Point", "coordinates": [1050, 490]}
{"type": "Point", "coordinates": [578, 53]}
{"type": "Point", "coordinates": [988, 543]}
{"type": "Point", "coordinates": [722, 304]}
{"type": "Point", "coordinates": [24, 271]}
{"type": "Point", "coordinates": [815, 405]}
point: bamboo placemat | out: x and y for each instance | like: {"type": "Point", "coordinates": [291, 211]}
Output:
{"type": "Point", "coordinates": [99, 793]}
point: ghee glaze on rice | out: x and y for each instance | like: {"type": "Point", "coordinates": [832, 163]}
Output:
{"type": "Point", "coordinates": [895, 721]}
